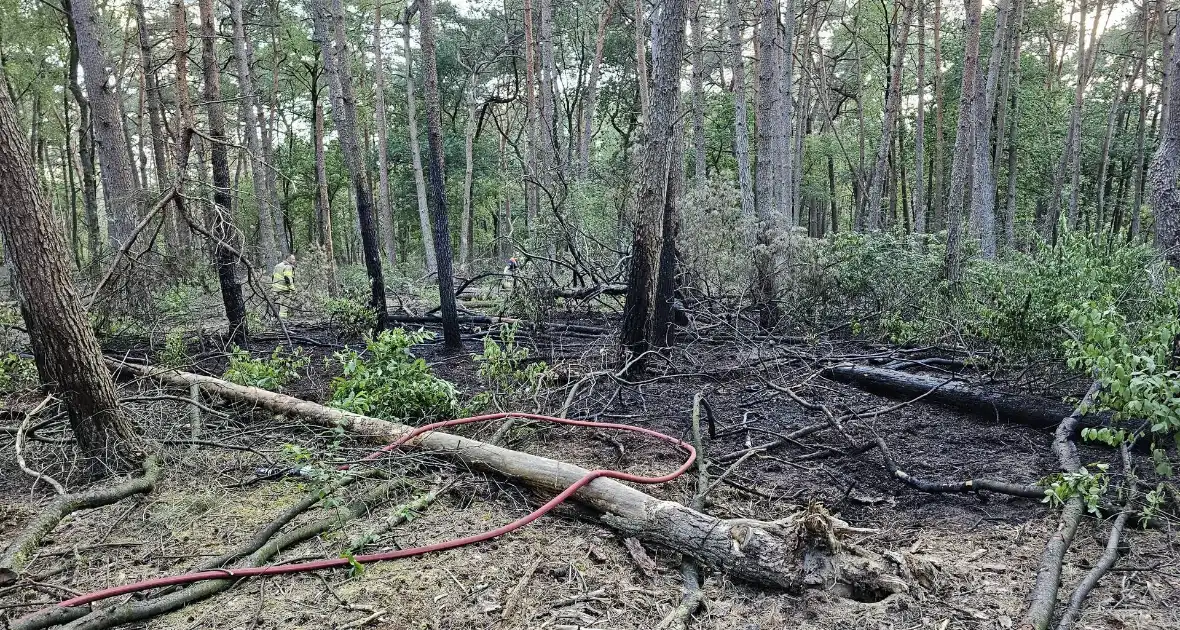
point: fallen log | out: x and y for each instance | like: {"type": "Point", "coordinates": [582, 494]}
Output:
{"type": "Point", "coordinates": [1033, 411]}
{"type": "Point", "coordinates": [802, 551]}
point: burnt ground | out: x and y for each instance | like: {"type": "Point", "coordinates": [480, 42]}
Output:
{"type": "Point", "coordinates": [565, 571]}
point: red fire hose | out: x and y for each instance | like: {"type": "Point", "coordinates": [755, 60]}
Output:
{"type": "Point", "coordinates": [220, 574]}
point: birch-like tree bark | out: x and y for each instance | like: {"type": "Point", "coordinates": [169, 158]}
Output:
{"type": "Point", "coordinates": [873, 214]}
{"type": "Point", "coordinates": [416, 153]}
{"type": "Point", "coordinates": [386, 224]}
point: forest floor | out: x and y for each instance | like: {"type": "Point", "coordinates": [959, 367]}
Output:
{"type": "Point", "coordinates": [565, 571]}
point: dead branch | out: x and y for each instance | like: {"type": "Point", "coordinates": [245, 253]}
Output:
{"type": "Point", "coordinates": [20, 456]}
{"type": "Point", "coordinates": [105, 618]}
{"type": "Point", "coordinates": [1043, 597]}
{"type": "Point", "coordinates": [17, 554]}
{"type": "Point", "coordinates": [970, 485]}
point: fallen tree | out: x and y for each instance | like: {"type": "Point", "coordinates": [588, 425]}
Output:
{"type": "Point", "coordinates": [802, 551]}
{"type": "Point", "coordinates": [1033, 411]}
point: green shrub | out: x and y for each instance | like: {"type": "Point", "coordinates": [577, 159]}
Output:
{"type": "Point", "coordinates": [352, 317]}
{"type": "Point", "coordinates": [390, 383]}
{"type": "Point", "coordinates": [1129, 348]}
{"type": "Point", "coordinates": [271, 373]}
{"type": "Point", "coordinates": [16, 371]}
{"type": "Point", "coordinates": [175, 352]}
{"type": "Point", "coordinates": [505, 370]}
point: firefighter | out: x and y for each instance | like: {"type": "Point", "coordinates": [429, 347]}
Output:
{"type": "Point", "coordinates": [282, 282]}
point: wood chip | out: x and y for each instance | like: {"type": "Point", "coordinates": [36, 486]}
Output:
{"type": "Point", "coordinates": [639, 555]}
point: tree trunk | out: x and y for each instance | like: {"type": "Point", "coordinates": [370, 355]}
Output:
{"type": "Point", "coordinates": [329, 31]}
{"type": "Point", "coordinates": [323, 204]}
{"type": "Point", "coordinates": [769, 128]}
{"type": "Point", "coordinates": [155, 120]}
{"type": "Point", "coordinates": [1164, 174]}
{"type": "Point", "coordinates": [466, 220]}
{"type": "Point", "coordinates": [591, 102]}
{"type": "Point", "coordinates": [873, 218]}
{"type": "Point", "coordinates": [551, 167]}
{"type": "Point", "coordinates": [438, 193]}
{"type": "Point", "coordinates": [269, 252]}
{"type": "Point", "coordinates": [699, 176]}
{"type": "Point", "coordinates": [1116, 106]}
{"type": "Point", "coordinates": [67, 354]}
{"type": "Point", "coordinates": [956, 195]}
{"type": "Point", "coordinates": [983, 179]}
{"type": "Point", "coordinates": [641, 64]}
{"type": "Point", "coordinates": [1140, 133]}
{"type": "Point", "coordinates": [920, 126]}
{"type": "Point", "coordinates": [785, 209]}
{"type": "Point", "coordinates": [780, 554]}
{"type": "Point", "coordinates": [385, 220]}
{"type": "Point", "coordinates": [741, 136]}
{"type": "Point", "coordinates": [85, 144]}
{"type": "Point", "coordinates": [119, 185]}
{"type": "Point", "coordinates": [1072, 152]}
{"type": "Point", "coordinates": [416, 154]}
{"type": "Point", "coordinates": [656, 182]}
{"type": "Point", "coordinates": [223, 229]}
{"type": "Point", "coordinates": [1013, 127]}
{"type": "Point", "coordinates": [939, 169]}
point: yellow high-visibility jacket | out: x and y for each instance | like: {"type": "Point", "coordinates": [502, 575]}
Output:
{"type": "Point", "coordinates": [283, 278]}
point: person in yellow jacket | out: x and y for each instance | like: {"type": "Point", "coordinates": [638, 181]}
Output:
{"type": "Point", "coordinates": [282, 282]}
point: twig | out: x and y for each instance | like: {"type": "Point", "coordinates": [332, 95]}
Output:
{"type": "Point", "coordinates": [20, 456]}
{"type": "Point", "coordinates": [122, 253]}
{"type": "Point", "coordinates": [182, 399]}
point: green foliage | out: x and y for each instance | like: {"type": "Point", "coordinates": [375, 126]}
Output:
{"type": "Point", "coordinates": [16, 372]}
{"type": "Point", "coordinates": [354, 318]}
{"type": "Point", "coordinates": [1087, 484]}
{"type": "Point", "coordinates": [1128, 346]}
{"type": "Point", "coordinates": [175, 352]}
{"type": "Point", "coordinates": [271, 373]}
{"type": "Point", "coordinates": [177, 301]}
{"type": "Point", "coordinates": [1015, 307]}
{"type": "Point", "coordinates": [390, 383]}
{"type": "Point", "coordinates": [505, 370]}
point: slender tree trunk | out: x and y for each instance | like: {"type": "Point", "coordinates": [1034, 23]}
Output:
{"type": "Point", "coordinates": [385, 220]}
{"type": "Point", "coordinates": [551, 166]}
{"type": "Point", "coordinates": [121, 189]}
{"type": "Point", "coordinates": [741, 137]}
{"type": "Point", "coordinates": [699, 175]}
{"type": "Point", "coordinates": [278, 209]}
{"type": "Point", "coordinates": [1013, 127]}
{"type": "Point", "coordinates": [416, 154]}
{"type": "Point", "coordinates": [956, 196]}
{"type": "Point", "coordinates": [323, 205]}
{"type": "Point", "coordinates": [1164, 174]}
{"type": "Point", "coordinates": [1072, 154]}
{"type": "Point", "coordinates": [983, 180]}
{"type": "Point", "coordinates": [329, 31]}
{"type": "Point", "coordinates": [939, 168]}
{"type": "Point", "coordinates": [588, 108]}
{"type": "Point", "coordinates": [873, 218]}
{"type": "Point", "coordinates": [85, 145]}
{"type": "Point", "coordinates": [920, 126]}
{"type": "Point", "coordinates": [1116, 106]}
{"type": "Point", "coordinates": [466, 221]}
{"type": "Point", "coordinates": [1140, 133]}
{"type": "Point", "coordinates": [641, 64]}
{"type": "Point", "coordinates": [224, 231]}
{"type": "Point", "coordinates": [769, 128]}
{"type": "Point", "coordinates": [155, 120]}
{"type": "Point", "coordinates": [67, 354]}
{"type": "Point", "coordinates": [656, 180]}
{"type": "Point", "coordinates": [269, 251]}
{"type": "Point", "coordinates": [438, 196]}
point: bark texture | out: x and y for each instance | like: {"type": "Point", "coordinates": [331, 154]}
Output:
{"type": "Point", "coordinates": [67, 354]}
{"type": "Point", "coordinates": [438, 194]}
{"type": "Point", "coordinates": [1164, 174]}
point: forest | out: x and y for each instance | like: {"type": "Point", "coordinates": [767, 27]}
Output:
{"type": "Point", "coordinates": [590, 315]}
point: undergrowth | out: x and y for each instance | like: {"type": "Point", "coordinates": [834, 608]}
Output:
{"type": "Point", "coordinates": [387, 381]}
